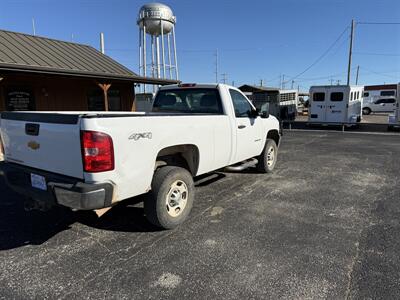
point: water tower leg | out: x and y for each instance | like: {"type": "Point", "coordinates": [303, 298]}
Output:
{"type": "Point", "coordinates": [152, 56]}
{"type": "Point", "coordinates": [162, 48]}
{"type": "Point", "coordinates": [158, 56]}
{"type": "Point", "coordinates": [169, 55]}
{"type": "Point", "coordinates": [144, 57]}
{"type": "Point", "coordinates": [175, 60]}
{"type": "Point", "coordinates": [140, 52]}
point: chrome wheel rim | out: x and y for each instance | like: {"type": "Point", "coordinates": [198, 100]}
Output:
{"type": "Point", "coordinates": [176, 199]}
{"type": "Point", "coordinates": [270, 156]}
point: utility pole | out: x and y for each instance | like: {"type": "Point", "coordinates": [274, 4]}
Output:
{"type": "Point", "coordinates": [216, 66]}
{"type": "Point", "coordinates": [292, 84]}
{"type": "Point", "coordinates": [261, 82]}
{"type": "Point", "coordinates": [224, 77]}
{"type": "Point", "coordinates": [350, 52]}
{"type": "Point", "coordinates": [331, 80]}
{"type": "Point", "coordinates": [102, 42]}
{"type": "Point", "coordinates": [33, 26]}
{"type": "Point", "coordinates": [358, 71]}
{"type": "Point", "coordinates": [283, 82]}
{"type": "Point", "coordinates": [338, 82]}
{"type": "Point", "coordinates": [233, 83]}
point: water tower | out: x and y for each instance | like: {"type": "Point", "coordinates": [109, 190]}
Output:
{"type": "Point", "coordinates": [157, 22]}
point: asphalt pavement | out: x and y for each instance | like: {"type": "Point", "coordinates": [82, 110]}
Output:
{"type": "Point", "coordinates": [325, 224]}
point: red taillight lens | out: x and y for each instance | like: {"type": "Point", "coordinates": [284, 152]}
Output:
{"type": "Point", "coordinates": [1, 147]}
{"type": "Point", "coordinates": [97, 151]}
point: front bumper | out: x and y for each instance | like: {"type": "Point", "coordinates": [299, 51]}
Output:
{"type": "Point", "coordinates": [61, 190]}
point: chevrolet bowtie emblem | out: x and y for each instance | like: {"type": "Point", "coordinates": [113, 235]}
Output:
{"type": "Point", "coordinates": [33, 145]}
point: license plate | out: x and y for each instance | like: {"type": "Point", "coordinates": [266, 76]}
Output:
{"type": "Point", "coordinates": [38, 182]}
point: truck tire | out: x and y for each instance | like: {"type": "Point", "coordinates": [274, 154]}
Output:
{"type": "Point", "coordinates": [366, 111]}
{"type": "Point", "coordinates": [267, 159]}
{"type": "Point", "coordinates": [171, 197]}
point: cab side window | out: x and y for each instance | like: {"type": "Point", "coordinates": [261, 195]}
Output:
{"type": "Point", "coordinates": [241, 104]}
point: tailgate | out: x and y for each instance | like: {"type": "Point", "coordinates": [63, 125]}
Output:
{"type": "Point", "coordinates": [45, 141]}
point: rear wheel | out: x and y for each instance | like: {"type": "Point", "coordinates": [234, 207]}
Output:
{"type": "Point", "coordinates": [366, 111]}
{"type": "Point", "coordinates": [267, 159]}
{"type": "Point", "coordinates": [171, 197]}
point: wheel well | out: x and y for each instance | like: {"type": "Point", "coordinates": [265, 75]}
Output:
{"type": "Point", "coordinates": [185, 156]}
{"type": "Point", "coordinates": [274, 135]}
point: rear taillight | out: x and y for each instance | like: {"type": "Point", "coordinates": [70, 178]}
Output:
{"type": "Point", "coordinates": [97, 151]}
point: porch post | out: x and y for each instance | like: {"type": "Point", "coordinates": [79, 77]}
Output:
{"type": "Point", "coordinates": [105, 87]}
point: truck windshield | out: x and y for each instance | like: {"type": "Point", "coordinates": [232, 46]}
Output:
{"type": "Point", "coordinates": [191, 100]}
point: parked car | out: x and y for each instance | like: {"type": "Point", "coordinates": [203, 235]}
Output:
{"type": "Point", "coordinates": [394, 119]}
{"type": "Point", "coordinates": [387, 105]}
{"type": "Point", "coordinates": [94, 160]}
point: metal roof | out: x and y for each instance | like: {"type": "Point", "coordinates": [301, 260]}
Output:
{"type": "Point", "coordinates": [34, 54]}
{"type": "Point", "coordinates": [380, 87]}
{"type": "Point", "coordinates": [255, 89]}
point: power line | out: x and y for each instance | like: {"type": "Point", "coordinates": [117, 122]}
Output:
{"type": "Point", "coordinates": [379, 73]}
{"type": "Point", "coordinates": [377, 54]}
{"type": "Point", "coordinates": [379, 23]}
{"type": "Point", "coordinates": [321, 56]}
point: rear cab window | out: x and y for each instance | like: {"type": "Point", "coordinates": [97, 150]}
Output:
{"type": "Point", "coordinates": [319, 97]}
{"type": "Point", "coordinates": [188, 100]}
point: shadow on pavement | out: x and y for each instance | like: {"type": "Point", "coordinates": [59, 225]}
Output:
{"type": "Point", "coordinates": [19, 228]}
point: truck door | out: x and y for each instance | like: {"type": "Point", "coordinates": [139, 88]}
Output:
{"type": "Point", "coordinates": [336, 109]}
{"type": "Point", "coordinates": [248, 130]}
{"type": "Point", "coordinates": [318, 106]}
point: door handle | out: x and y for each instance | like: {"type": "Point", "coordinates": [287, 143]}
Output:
{"type": "Point", "coordinates": [241, 126]}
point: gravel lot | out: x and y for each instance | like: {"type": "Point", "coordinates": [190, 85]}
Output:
{"type": "Point", "coordinates": [325, 224]}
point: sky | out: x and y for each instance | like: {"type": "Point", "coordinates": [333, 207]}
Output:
{"type": "Point", "coordinates": [299, 42]}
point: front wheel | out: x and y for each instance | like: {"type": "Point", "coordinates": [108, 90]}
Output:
{"type": "Point", "coordinates": [366, 111]}
{"type": "Point", "coordinates": [267, 159]}
{"type": "Point", "coordinates": [171, 197]}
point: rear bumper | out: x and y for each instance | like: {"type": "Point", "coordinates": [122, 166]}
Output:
{"type": "Point", "coordinates": [61, 190]}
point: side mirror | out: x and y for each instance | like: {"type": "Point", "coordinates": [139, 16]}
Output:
{"type": "Point", "coordinates": [254, 113]}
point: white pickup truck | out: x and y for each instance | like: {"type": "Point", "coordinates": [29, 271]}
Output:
{"type": "Point", "coordinates": [92, 160]}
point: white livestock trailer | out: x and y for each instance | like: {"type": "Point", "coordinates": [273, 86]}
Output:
{"type": "Point", "coordinates": [340, 104]}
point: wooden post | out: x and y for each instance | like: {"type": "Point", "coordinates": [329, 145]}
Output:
{"type": "Point", "coordinates": [105, 87]}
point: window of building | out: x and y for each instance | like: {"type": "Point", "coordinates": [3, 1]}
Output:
{"type": "Point", "coordinates": [241, 104]}
{"type": "Point", "coordinates": [358, 95]}
{"type": "Point", "coordinates": [388, 93]}
{"type": "Point", "coordinates": [366, 94]}
{"type": "Point", "coordinates": [351, 96]}
{"type": "Point", "coordinates": [319, 97]}
{"type": "Point", "coordinates": [336, 96]}
{"type": "Point", "coordinates": [96, 100]}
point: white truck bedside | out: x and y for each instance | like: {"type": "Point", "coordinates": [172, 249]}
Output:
{"type": "Point", "coordinates": [94, 160]}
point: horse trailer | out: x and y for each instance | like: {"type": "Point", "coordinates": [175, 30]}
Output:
{"type": "Point", "coordinates": [278, 102]}
{"type": "Point", "coordinates": [340, 104]}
